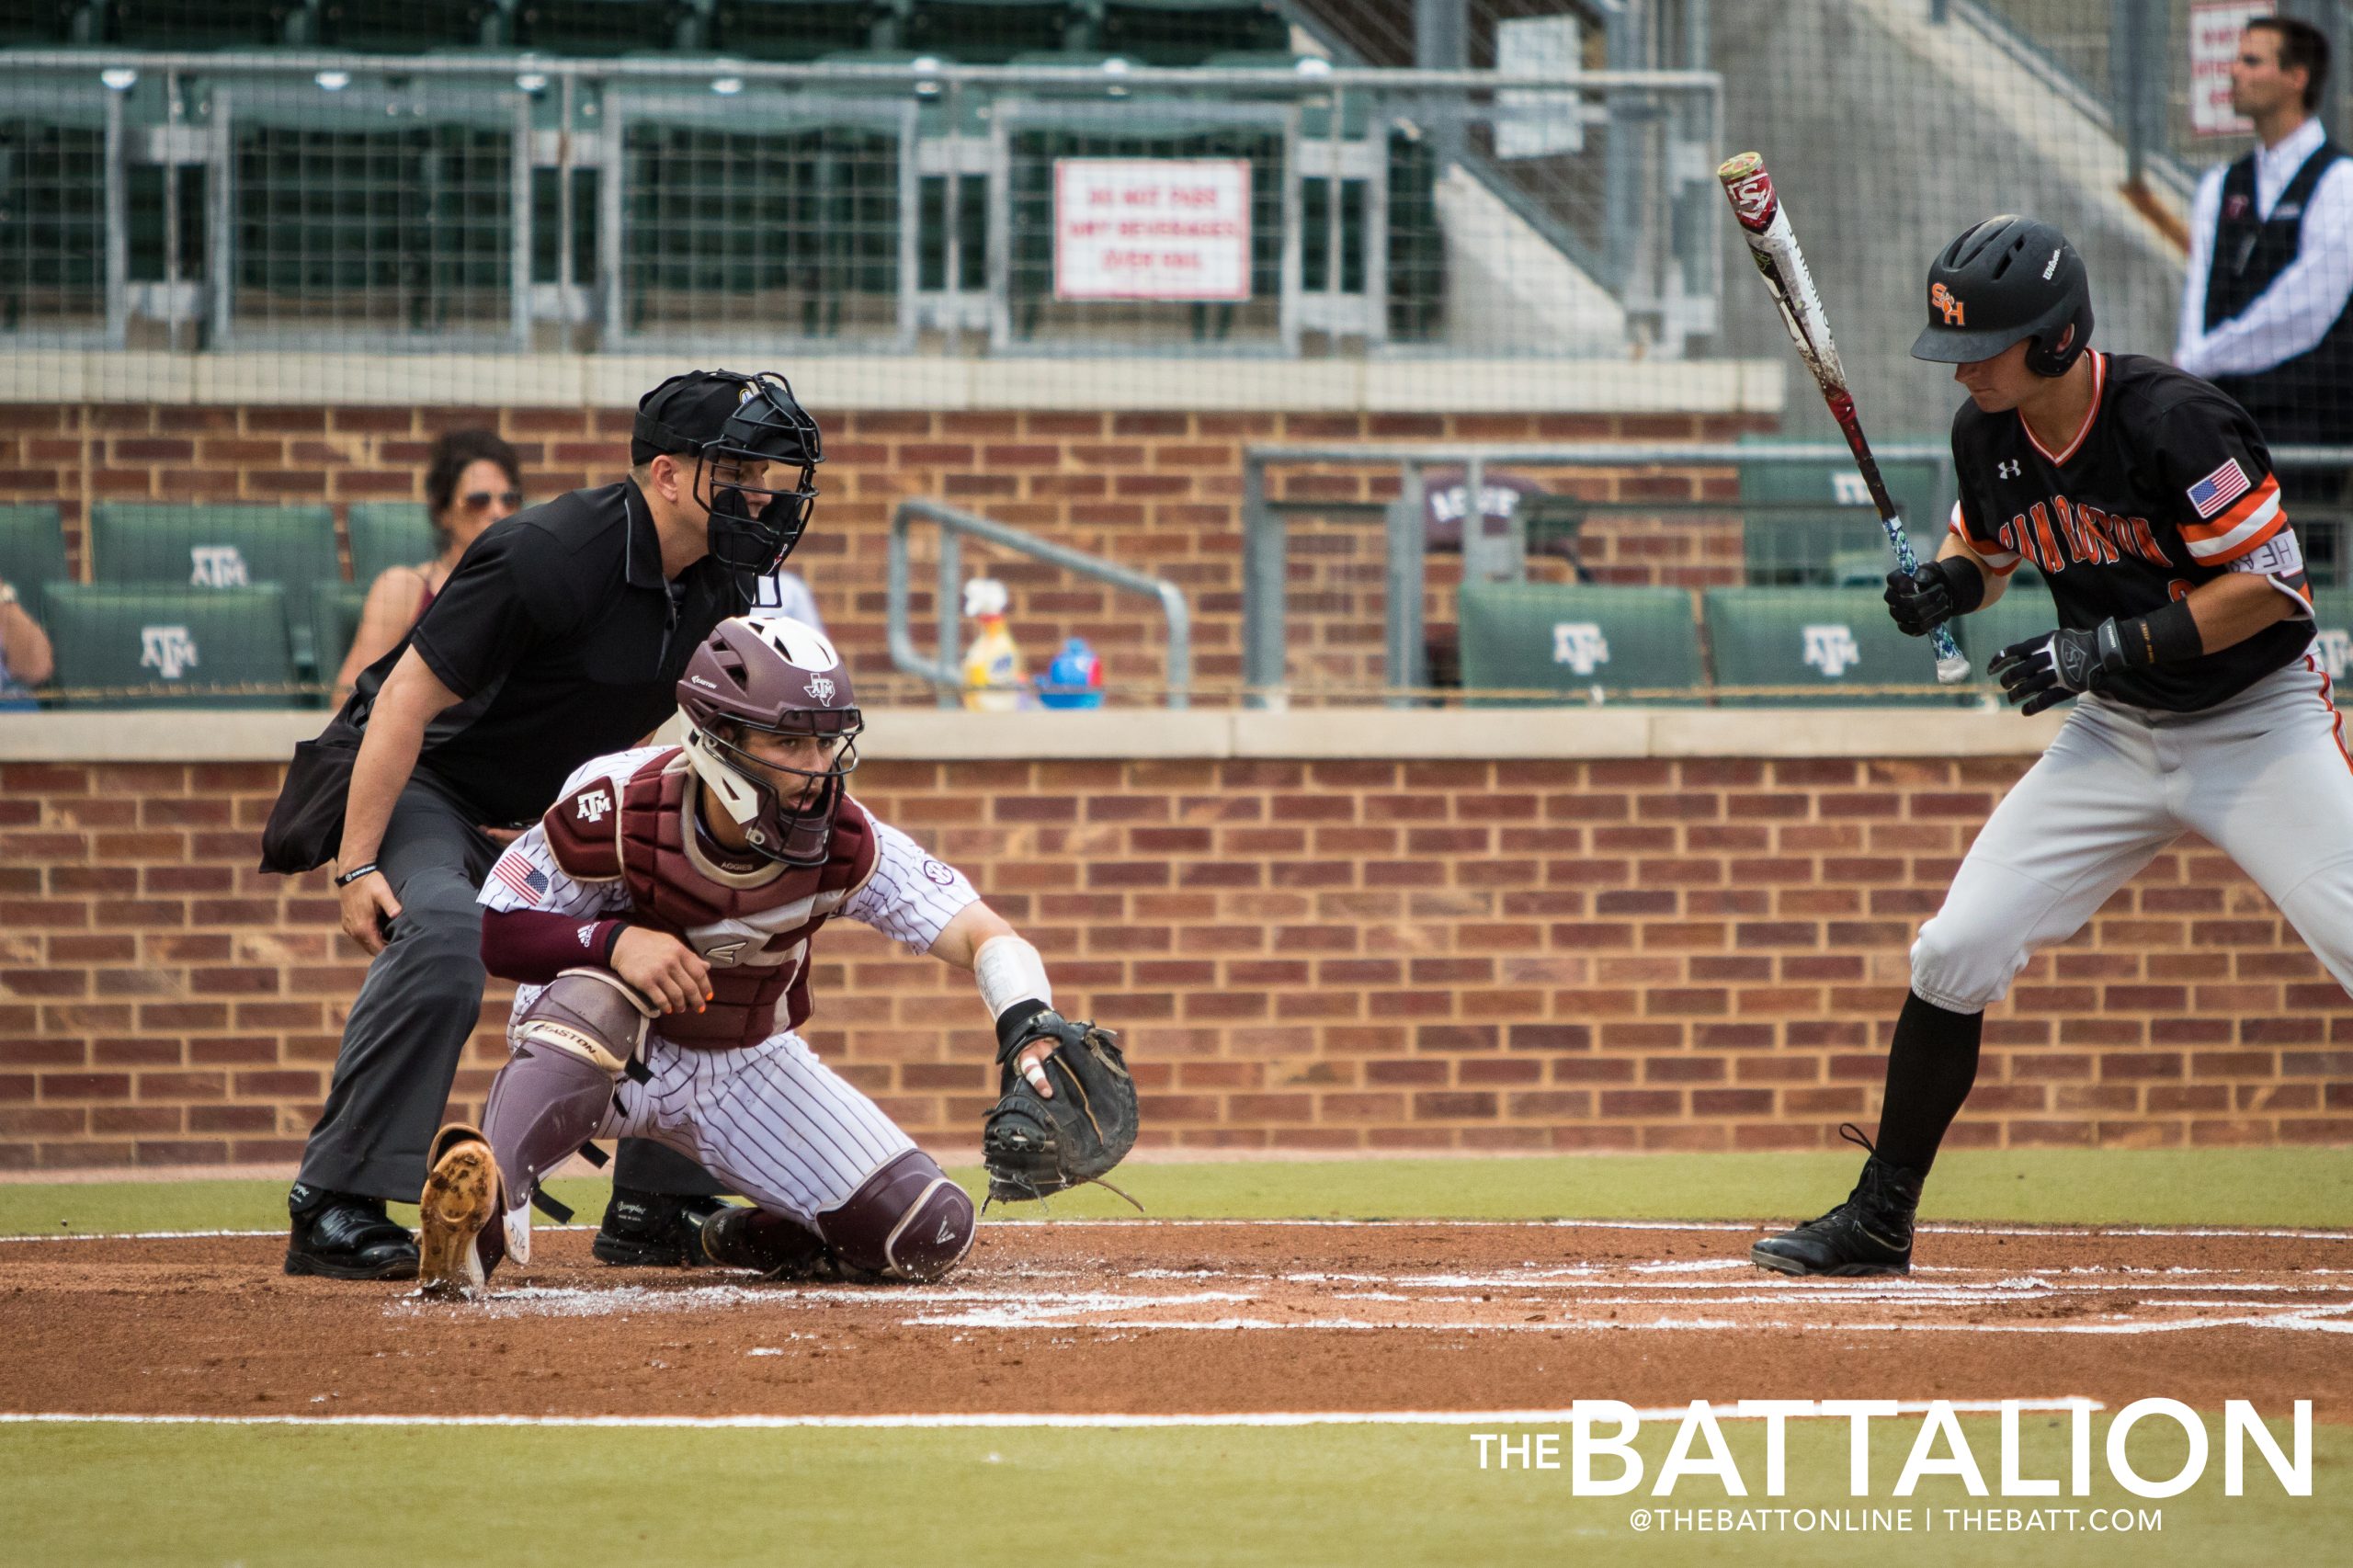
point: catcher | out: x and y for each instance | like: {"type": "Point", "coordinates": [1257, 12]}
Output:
{"type": "Point", "coordinates": [660, 917]}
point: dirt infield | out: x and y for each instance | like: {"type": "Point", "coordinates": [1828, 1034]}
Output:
{"type": "Point", "coordinates": [1196, 1317]}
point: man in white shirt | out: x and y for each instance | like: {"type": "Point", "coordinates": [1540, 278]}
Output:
{"type": "Point", "coordinates": [2263, 306]}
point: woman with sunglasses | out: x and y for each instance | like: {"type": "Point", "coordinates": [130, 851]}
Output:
{"type": "Point", "coordinates": [472, 480]}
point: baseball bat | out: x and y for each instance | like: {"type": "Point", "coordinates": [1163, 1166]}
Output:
{"type": "Point", "coordinates": [1773, 246]}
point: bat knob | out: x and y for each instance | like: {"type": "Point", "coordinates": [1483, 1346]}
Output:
{"type": "Point", "coordinates": [1952, 671]}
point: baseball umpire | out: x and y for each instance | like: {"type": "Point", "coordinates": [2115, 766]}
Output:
{"type": "Point", "coordinates": [560, 635]}
{"type": "Point", "coordinates": [2147, 500]}
{"type": "Point", "coordinates": [660, 917]}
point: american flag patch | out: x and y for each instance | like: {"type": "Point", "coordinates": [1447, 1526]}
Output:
{"type": "Point", "coordinates": [2219, 488]}
{"type": "Point", "coordinates": [520, 875]}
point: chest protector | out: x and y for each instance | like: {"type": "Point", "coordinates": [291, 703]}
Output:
{"type": "Point", "coordinates": [753, 927]}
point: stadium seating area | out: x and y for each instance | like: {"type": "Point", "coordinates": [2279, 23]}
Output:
{"type": "Point", "coordinates": [202, 599]}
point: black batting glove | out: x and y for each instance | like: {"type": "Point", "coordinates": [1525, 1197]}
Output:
{"type": "Point", "coordinates": [2042, 672]}
{"type": "Point", "coordinates": [1919, 602]}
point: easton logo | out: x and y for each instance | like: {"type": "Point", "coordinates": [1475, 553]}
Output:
{"type": "Point", "coordinates": [1942, 299]}
{"type": "Point", "coordinates": [822, 690]}
{"type": "Point", "coordinates": [1580, 645]}
{"type": "Point", "coordinates": [1831, 649]}
{"type": "Point", "coordinates": [592, 808]}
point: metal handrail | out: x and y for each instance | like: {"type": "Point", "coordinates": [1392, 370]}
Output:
{"type": "Point", "coordinates": [945, 673]}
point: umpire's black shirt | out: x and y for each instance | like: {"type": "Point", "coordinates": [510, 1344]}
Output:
{"type": "Point", "coordinates": [563, 641]}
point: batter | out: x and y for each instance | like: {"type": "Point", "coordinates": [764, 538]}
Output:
{"type": "Point", "coordinates": [2146, 498]}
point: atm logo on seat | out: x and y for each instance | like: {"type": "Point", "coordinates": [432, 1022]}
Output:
{"type": "Point", "coordinates": [170, 651]}
{"type": "Point", "coordinates": [1941, 298]}
{"type": "Point", "coordinates": [1831, 649]}
{"type": "Point", "coordinates": [217, 566]}
{"type": "Point", "coordinates": [1580, 645]}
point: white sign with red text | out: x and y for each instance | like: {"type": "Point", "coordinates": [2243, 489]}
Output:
{"type": "Point", "coordinates": [1152, 229]}
{"type": "Point", "coordinates": [2214, 29]}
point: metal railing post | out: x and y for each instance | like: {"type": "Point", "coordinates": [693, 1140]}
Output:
{"type": "Point", "coordinates": [1407, 660]}
{"type": "Point", "coordinates": [1263, 588]}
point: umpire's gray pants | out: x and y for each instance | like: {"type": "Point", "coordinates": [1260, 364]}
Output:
{"type": "Point", "coordinates": [408, 1026]}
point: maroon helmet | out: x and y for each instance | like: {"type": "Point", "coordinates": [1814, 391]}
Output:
{"type": "Point", "coordinates": [774, 673]}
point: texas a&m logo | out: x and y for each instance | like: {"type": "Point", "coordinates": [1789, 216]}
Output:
{"type": "Point", "coordinates": [1831, 649]}
{"type": "Point", "coordinates": [1941, 298]}
{"type": "Point", "coordinates": [170, 651]}
{"type": "Point", "coordinates": [2334, 648]}
{"type": "Point", "coordinates": [592, 808]}
{"type": "Point", "coordinates": [217, 566]}
{"type": "Point", "coordinates": [1580, 645]}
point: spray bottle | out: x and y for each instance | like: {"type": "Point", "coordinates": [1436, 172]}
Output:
{"type": "Point", "coordinates": [994, 674]}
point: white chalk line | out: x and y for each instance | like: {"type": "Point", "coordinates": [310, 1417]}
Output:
{"type": "Point", "coordinates": [994, 1420]}
{"type": "Point", "coordinates": [1759, 1227]}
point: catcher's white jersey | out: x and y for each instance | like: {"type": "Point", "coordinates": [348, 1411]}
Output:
{"type": "Point", "coordinates": [771, 1121]}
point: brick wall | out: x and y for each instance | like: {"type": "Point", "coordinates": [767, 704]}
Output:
{"type": "Point", "coordinates": [1158, 491]}
{"type": "Point", "coordinates": [1368, 955]}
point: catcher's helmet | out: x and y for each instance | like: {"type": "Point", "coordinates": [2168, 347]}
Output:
{"type": "Point", "coordinates": [723, 419]}
{"type": "Point", "coordinates": [781, 676]}
{"type": "Point", "coordinates": [2007, 278]}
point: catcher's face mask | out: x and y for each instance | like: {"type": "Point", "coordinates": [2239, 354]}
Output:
{"type": "Point", "coordinates": [757, 478]}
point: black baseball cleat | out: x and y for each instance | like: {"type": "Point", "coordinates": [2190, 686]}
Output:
{"type": "Point", "coordinates": [651, 1230]}
{"type": "Point", "coordinates": [339, 1235]}
{"type": "Point", "coordinates": [778, 1247]}
{"type": "Point", "coordinates": [1868, 1233]}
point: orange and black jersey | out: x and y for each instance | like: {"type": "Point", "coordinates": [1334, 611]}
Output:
{"type": "Point", "coordinates": [2167, 485]}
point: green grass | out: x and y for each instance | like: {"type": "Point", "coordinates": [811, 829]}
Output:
{"type": "Point", "coordinates": [2168, 1187]}
{"type": "Point", "coordinates": [1041, 1499]}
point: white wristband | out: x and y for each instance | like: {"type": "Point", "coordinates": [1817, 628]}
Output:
{"type": "Point", "coordinates": [1010, 970]}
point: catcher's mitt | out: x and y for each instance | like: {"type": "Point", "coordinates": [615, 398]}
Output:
{"type": "Point", "coordinates": [1034, 1146]}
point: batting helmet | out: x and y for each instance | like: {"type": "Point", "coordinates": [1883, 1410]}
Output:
{"type": "Point", "coordinates": [781, 676]}
{"type": "Point", "coordinates": [2009, 277]}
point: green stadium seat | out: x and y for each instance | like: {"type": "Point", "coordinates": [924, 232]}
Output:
{"type": "Point", "coordinates": [32, 549]}
{"type": "Point", "coordinates": [1190, 32]}
{"type": "Point", "coordinates": [992, 33]}
{"type": "Point", "coordinates": [1801, 518]}
{"type": "Point", "coordinates": [800, 29]}
{"type": "Point", "coordinates": [601, 27]}
{"type": "Point", "coordinates": [1828, 638]}
{"type": "Point", "coordinates": [38, 24]}
{"type": "Point", "coordinates": [408, 26]}
{"type": "Point", "coordinates": [334, 621]}
{"type": "Point", "coordinates": [2332, 629]}
{"type": "Point", "coordinates": [1577, 639]}
{"type": "Point", "coordinates": [386, 534]}
{"type": "Point", "coordinates": [221, 547]}
{"type": "Point", "coordinates": [174, 645]}
{"type": "Point", "coordinates": [202, 24]}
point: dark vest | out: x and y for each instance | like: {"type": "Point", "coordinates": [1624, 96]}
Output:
{"type": "Point", "coordinates": [753, 928]}
{"type": "Point", "coordinates": [2310, 397]}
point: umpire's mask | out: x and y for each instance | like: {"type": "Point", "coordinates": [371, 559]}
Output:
{"type": "Point", "coordinates": [730, 424]}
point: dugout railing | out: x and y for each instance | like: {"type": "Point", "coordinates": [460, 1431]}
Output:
{"type": "Point", "coordinates": [874, 202]}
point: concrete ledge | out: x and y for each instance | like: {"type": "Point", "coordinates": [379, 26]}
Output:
{"type": "Point", "coordinates": [832, 382]}
{"type": "Point", "coordinates": [931, 735]}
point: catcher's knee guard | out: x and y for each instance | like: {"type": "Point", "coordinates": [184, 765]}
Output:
{"type": "Point", "coordinates": [905, 1221]}
{"type": "Point", "coordinates": [571, 1046]}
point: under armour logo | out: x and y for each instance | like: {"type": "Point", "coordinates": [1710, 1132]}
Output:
{"type": "Point", "coordinates": [822, 690]}
{"type": "Point", "coordinates": [2009, 468]}
{"type": "Point", "coordinates": [592, 808]}
{"type": "Point", "coordinates": [1831, 649]}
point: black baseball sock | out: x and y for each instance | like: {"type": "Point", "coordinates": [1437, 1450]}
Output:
{"type": "Point", "coordinates": [1931, 1062]}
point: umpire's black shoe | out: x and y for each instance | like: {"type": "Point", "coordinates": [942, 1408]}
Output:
{"type": "Point", "coordinates": [1868, 1233]}
{"type": "Point", "coordinates": [342, 1236]}
{"type": "Point", "coordinates": [651, 1230]}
